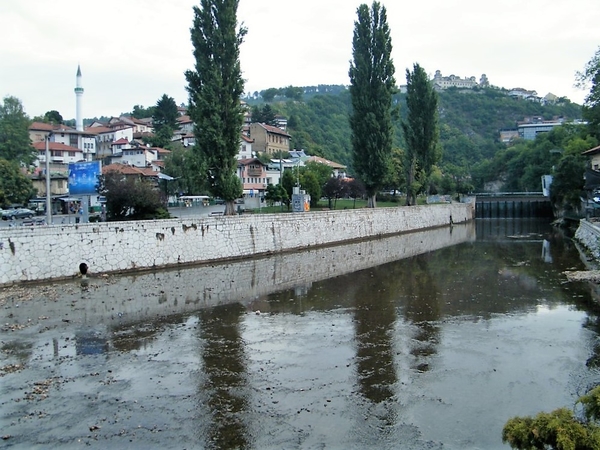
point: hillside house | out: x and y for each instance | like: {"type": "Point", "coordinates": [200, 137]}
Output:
{"type": "Point", "coordinates": [269, 139]}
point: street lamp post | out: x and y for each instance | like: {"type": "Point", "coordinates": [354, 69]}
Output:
{"type": "Point", "coordinates": [48, 193]}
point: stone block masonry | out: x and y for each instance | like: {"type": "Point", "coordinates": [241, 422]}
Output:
{"type": "Point", "coordinates": [55, 252]}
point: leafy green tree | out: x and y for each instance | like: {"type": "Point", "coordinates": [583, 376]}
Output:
{"type": "Point", "coordinates": [54, 117]}
{"type": "Point", "coordinates": [164, 120]}
{"type": "Point", "coordinates": [264, 115]}
{"type": "Point", "coordinates": [215, 88]}
{"type": "Point", "coordinates": [559, 429]}
{"type": "Point", "coordinates": [15, 187]}
{"type": "Point", "coordinates": [322, 171]}
{"type": "Point", "coordinates": [591, 107]}
{"type": "Point", "coordinates": [268, 95]}
{"type": "Point", "coordinates": [310, 183]}
{"type": "Point", "coordinates": [420, 131]}
{"type": "Point", "coordinates": [293, 93]}
{"type": "Point", "coordinates": [139, 112]}
{"type": "Point", "coordinates": [179, 164]}
{"type": "Point", "coordinates": [15, 144]}
{"type": "Point", "coordinates": [129, 198]}
{"type": "Point", "coordinates": [276, 193]}
{"type": "Point", "coordinates": [567, 183]}
{"type": "Point", "coordinates": [372, 86]}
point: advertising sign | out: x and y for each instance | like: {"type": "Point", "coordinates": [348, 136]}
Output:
{"type": "Point", "coordinates": [83, 177]}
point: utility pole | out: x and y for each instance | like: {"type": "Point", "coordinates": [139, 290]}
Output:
{"type": "Point", "coordinates": [48, 193]}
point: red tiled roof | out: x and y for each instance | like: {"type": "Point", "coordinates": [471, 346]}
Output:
{"type": "Point", "coordinates": [41, 126]}
{"type": "Point", "coordinates": [54, 146]}
{"type": "Point", "coordinates": [247, 139]}
{"type": "Point", "coordinates": [274, 130]}
{"type": "Point", "coordinates": [98, 130]}
{"type": "Point", "coordinates": [246, 161]}
{"type": "Point", "coordinates": [184, 119]}
{"type": "Point", "coordinates": [120, 142]}
{"type": "Point", "coordinates": [130, 170]}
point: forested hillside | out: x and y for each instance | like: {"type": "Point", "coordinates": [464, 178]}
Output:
{"type": "Point", "coordinates": [469, 123]}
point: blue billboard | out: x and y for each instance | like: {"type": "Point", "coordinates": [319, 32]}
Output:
{"type": "Point", "coordinates": [83, 177]}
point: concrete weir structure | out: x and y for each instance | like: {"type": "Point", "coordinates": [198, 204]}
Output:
{"type": "Point", "coordinates": [56, 251]}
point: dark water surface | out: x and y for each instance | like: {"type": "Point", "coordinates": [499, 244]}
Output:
{"type": "Point", "coordinates": [347, 347]}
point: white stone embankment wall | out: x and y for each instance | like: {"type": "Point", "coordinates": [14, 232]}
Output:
{"type": "Point", "coordinates": [54, 252]}
{"type": "Point", "coordinates": [588, 233]}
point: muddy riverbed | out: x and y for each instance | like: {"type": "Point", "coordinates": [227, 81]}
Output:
{"type": "Point", "coordinates": [433, 351]}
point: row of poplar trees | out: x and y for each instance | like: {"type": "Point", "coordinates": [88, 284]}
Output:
{"type": "Point", "coordinates": [372, 86]}
{"type": "Point", "coordinates": [215, 87]}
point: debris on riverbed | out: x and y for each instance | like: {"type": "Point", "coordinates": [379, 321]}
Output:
{"type": "Point", "coordinates": [583, 275]}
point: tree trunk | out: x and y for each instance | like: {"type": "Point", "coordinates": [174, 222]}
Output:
{"type": "Point", "coordinates": [230, 208]}
{"type": "Point", "coordinates": [372, 201]}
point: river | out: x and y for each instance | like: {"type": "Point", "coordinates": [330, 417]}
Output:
{"type": "Point", "coordinates": [427, 340]}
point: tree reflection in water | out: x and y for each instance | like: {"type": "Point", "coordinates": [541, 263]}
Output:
{"type": "Point", "coordinates": [226, 376]}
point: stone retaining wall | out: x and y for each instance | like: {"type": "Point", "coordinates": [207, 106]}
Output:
{"type": "Point", "coordinates": [588, 234]}
{"type": "Point", "coordinates": [54, 252]}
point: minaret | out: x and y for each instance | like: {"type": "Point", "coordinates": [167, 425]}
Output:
{"type": "Point", "coordinates": [79, 96]}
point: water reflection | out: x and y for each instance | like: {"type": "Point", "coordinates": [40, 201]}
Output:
{"type": "Point", "coordinates": [226, 381]}
{"type": "Point", "coordinates": [374, 319]}
{"type": "Point", "coordinates": [354, 346]}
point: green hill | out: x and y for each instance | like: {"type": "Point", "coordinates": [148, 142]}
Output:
{"type": "Point", "coordinates": [470, 121]}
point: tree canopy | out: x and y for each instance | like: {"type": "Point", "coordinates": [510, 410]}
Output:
{"type": "Point", "coordinates": [215, 88]}
{"type": "Point", "coordinates": [15, 144]}
{"type": "Point", "coordinates": [372, 86]}
{"type": "Point", "coordinates": [590, 77]}
{"type": "Point", "coordinates": [164, 120]}
{"type": "Point", "coordinates": [15, 187]}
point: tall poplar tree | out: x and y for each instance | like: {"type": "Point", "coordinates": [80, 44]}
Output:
{"type": "Point", "coordinates": [420, 132]}
{"type": "Point", "coordinates": [372, 85]}
{"type": "Point", "coordinates": [215, 88]}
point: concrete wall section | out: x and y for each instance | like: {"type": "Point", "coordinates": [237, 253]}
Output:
{"type": "Point", "coordinates": [54, 252]}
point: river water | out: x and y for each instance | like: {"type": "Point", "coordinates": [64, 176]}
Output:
{"type": "Point", "coordinates": [427, 340]}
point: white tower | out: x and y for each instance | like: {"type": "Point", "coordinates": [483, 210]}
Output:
{"type": "Point", "coordinates": [79, 96]}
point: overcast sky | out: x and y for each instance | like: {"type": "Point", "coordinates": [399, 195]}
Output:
{"type": "Point", "coordinates": [134, 51]}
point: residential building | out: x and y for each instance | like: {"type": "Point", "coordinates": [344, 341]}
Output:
{"type": "Point", "coordinates": [253, 174]}
{"type": "Point", "coordinates": [84, 141]}
{"type": "Point", "coordinates": [59, 153]}
{"type": "Point", "coordinates": [245, 151]}
{"type": "Point", "coordinates": [106, 136]}
{"type": "Point", "coordinates": [524, 94]}
{"type": "Point", "coordinates": [530, 131]}
{"type": "Point", "coordinates": [594, 156]}
{"type": "Point", "coordinates": [139, 173]}
{"type": "Point", "coordinates": [269, 139]}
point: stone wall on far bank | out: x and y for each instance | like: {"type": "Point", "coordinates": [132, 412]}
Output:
{"type": "Point", "coordinates": [588, 234]}
{"type": "Point", "coordinates": [55, 252]}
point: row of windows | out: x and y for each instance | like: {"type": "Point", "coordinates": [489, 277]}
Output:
{"type": "Point", "coordinates": [254, 180]}
{"type": "Point", "coordinates": [277, 139]}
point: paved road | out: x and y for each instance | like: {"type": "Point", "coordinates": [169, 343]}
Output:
{"type": "Point", "coordinates": [61, 219]}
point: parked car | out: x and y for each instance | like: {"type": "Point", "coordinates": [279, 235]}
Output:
{"type": "Point", "coordinates": [17, 213]}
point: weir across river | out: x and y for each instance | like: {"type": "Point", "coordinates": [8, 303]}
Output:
{"type": "Point", "coordinates": [508, 205]}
